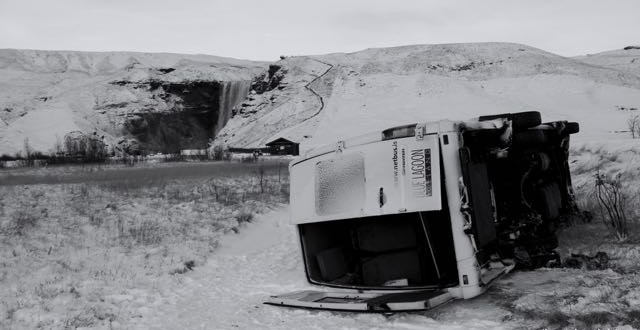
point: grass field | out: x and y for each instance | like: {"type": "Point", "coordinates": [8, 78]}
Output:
{"type": "Point", "coordinates": [81, 245]}
{"type": "Point", "coordinates": [97, 246]}
{"type": "Point", "coordinates": [142, 173]}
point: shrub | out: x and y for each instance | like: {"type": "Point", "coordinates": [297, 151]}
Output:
{"type": "Point", "coordinates": [633, 123]}
{"type": "Point", "coordinates": [28, 151]}
{"type": "Point", "coordinates": [260, 175]}
{"type": "Point", "coordinates": [23, 220]}
{"type": "Point", "coordinates": [147, 232]}
{"type": "Point", "coordinates": [613, 203]}
{"type": "Point", "coordinates": [217, 152]}
{"type": "Point", "coordinates": [89, 148]}
{"type": "Point", "coordinates": [187, 266]}
{"type": "Point", "coordinates": [244, 217]}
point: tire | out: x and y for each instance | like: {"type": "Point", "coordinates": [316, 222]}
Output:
{"type": "Point", "coordinates": [519, 120]}
{"type": "Point", "coordinates": [524, 120]}
{"type": "Point", "coordinates": [571, 128]}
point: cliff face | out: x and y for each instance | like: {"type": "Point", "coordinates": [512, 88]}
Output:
{"type": "Point", "coordinates": [162, 102]}
{"type": "Point", "coordinates": [198, 111]}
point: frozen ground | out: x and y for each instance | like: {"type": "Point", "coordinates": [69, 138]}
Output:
{"type": "Point", "coordinates": [227, 293]}
{"type": "Point", "coordinates": [262, 260]}
{"type": "Point", "coordinates": [109, 255]}
{"type": "Point", "coordinates": [96, 253]}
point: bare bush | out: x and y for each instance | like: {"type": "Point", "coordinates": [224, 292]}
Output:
{"type": "Point", "coordinates": [89, 148]}
{"type": "Point", "coordinates": [260, 174]}
{"type": "Point", "coordinates": [218, 153]}
{"type": "Point", "coordinates": [633, 123]}
{"type": "Point", "coordinates": [244, 217]}
{"type": "Point", "coordinates": [147, 232]}
{"type": "Point", "coordinates": [26, 216]}
{"type": "Point", "coordinates": [613, 203]}
{"type": "Point", "coordinates": [223, 193]}
{"type": "Point", "coordinates": [23, 220]}
{"type": "Point", "coordinates": [188, 266]}
{"type": "Point", "coordinates": [28, 151]}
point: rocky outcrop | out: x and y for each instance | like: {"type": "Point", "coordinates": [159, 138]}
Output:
{"type": "Point", "coordinates": [290, 91]}
{"type": "Point", "coordinates": [269, 80]}
{"type": "Point", "coordinates": [198, 110]}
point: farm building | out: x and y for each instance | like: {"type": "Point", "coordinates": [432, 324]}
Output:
{"type": "Point", "coordinates": [282, 146]}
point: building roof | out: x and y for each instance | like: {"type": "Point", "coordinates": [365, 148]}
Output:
{"type": "Point", "coordinates": [280, 141]}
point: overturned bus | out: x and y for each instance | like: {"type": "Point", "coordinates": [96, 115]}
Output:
{"type": "Point", "coordinates": [415, 216]}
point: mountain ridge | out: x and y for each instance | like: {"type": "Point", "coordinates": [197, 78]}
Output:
{"type": "Point", "coordinates": [152, 99]}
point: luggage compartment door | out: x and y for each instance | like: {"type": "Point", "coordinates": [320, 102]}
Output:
{"type": "Point", "coordinates": [363, 302]}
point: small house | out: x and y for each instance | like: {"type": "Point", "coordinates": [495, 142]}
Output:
{"type": "Point", "coordinates": [282, 146]}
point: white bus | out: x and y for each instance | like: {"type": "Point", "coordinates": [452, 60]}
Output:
{"type": "Point", "coordinates": [415, 216]}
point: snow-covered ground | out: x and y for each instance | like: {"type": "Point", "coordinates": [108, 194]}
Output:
{"type": "Point", "coordinates": [375, 89]}
{"type": "Point", "coordinates": [263, 260]}
{"type": "Point", "coordinates": [74, 266]}
{"type": "Point", "coordinates": [627, 59]}
{"type": "Point", "coordinates": [92, 247]}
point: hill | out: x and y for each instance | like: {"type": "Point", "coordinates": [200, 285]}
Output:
{"type": "Point", "coordinates": [318, 99]}
{"type": "Point", "coordinates": [159, 101]}
{"type": "Point", "coordinates": [626, 59]}
{"type": "Point", "coordinates": [168, 102]}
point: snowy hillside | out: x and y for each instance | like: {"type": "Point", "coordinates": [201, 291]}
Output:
{"type": "Point", "coordinates": [318, 99]}
{"type": "Point", "coordinates": [627, 59]}
{"type": "Point", "coordinates": [168, 101]}
{"type": "Point", "coordinates": [141, 96]}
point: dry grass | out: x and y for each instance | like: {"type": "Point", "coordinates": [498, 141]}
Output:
{"type": "Point", "coordinates": [144, 174]}
{"type": "Point", "coordinates": [587, 298]}
{"type": "Point", "coordinates": [75, 254]}
{"type": "Point", "coordinates": [605, 183]}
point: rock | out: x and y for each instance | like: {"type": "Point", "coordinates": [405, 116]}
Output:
{"type": "Point", "coordinates": [269, 80]}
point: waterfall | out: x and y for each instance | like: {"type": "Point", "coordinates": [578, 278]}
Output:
{"type": "Point", "coordinates": [233, 92]}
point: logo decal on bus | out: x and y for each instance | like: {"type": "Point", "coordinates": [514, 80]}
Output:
{"type": "Point", "coordinates": [395, 162]}
{"type": "Point", "coordinates": [421, 184]}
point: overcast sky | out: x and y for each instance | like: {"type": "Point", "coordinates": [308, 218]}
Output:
{"type": "Point", "coordinates": [263, 30]}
